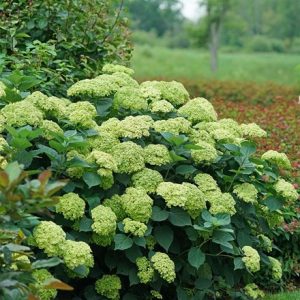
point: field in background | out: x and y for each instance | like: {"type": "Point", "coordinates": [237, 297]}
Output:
{"type": "Point", "coordinates": [284, 296]}
{"type": "Point", "coordinates": [150, 62]}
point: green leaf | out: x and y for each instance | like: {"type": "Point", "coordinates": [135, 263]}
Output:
{"type": "Point", "coordinates": [179, 217]}
{"type": "Point", "coordinates": [185, 169]}
{"type": "Point", "coordinates": [103, 106]}
{"type": "Point", "coordinates": [122, 242]}
{"type": "Point", "coordinates": [273, 203]}
{"type": "Point", "coordinates": [203, 283]}
{"type": "Point", "coordinates": [20, 143]}
{"type": "Point", "coordinates": [91, 179]}
{"type": "Point", "coordinates": [238, 263]}
{"type": "Point", "coordinates": [85, 224]}
{"type": "Point", "coordinates": [196, 257]}
{"type": "Point", "coordinates": [46, 263]}
{"type": "Point", "coordinates": [176, 157]}
{"type": "Point", "coordinates": [223, 219]}
{"type": "Point", "coordinates": [13, 170]}
{"type": "Point", "coordinates": [133, 253]}
{"type": "Point", "coordinates": [176, 140]}
{"type": "Point", "coordinates": [140, 241]}
{"type": "Point", "coordinates": [164, 235]}
{"type": "Point", "coordinates": [81, 271]}
{"type": "Point", "coordinates": [206, 216]}
{"type": "Point", "coordinates": [248, 148]}
{"type": "Point", "coordinates": [158, 214]}
{"type": "Point", "coordinates": [222, 238]}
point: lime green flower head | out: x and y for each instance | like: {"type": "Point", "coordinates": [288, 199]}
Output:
{"type": "Point", "coordinates": [150, 242]}
{"type": "Point", "coordinates": [220, 202]}
{"type": "Point", "coordinates": [3, 144]}
{"type": "Point", "coordinates": [135, 127]}
{"type": "Point", "coordinates": [50, 128]}
{"type": "Point", "coordinates": [76, 254]}
{"type": "Point", "coordinates": [161, 106]}
{"type": "Point", "coordinates": [75, 172]}
{"type": "Point", "coordinates": [137, 204]}
{"type": "Point", "coordinates": [265, 243]}
{"type": "Point", "coordinates": [196, 136]}
{"type": "Point", "coordinates": [174, 92]}
{"type": "Point", "coordinates": [251, 259]}
{"type": "Point", "coordinates": [102, 240]}
{"type": "Point", "coordinates": [164, 266]}
{"type": "Point", "coordinates": [205, 154]}
{"type": "Point", "coordinates": [2, 89]}
{"type": "Point", "coordinates": [246, 192]}
{"type": "Point", "coordinates": [276, 268]}
{"type": "Point", "coordinates": [103, 142]}
{"type": "Point", "coordinates": [3, 162]}
{"type": "Point", "coordinates": [149, 92]}
{"type": "Point", "coordinates": [230, 125]}
{"type": "Point", "coordinates": [147, 179]}
{"type": "Point", "coordinates": [82, 114]}
{"type": "Point", "coordinates": [206, 183]}
{"type": "Point", "coordinates": [156, 294]}
{"type": "Point", "coordinates": [81, 119]}
{"type": "Point", "coordinates": [111, 127]}
{"type": "Point", "coordinates": [101, 87]}
{"type": "Point", "coordinates": [109, 286]}
{"type": "Point", "coordinates": [115, 203]}
{"type": "Point", "coordinates": [136, 228]}
{"type": "Point", "coordinates": [274, 218]}
{"type": "Point", "coordinates": [107, 178]}
{"type": "Point", "coordinates": [111, 69]}
{"type": "Point", "coordinates": [173, 193]}
{"type": "Point", "coordinates": [145, 271]}
{"type": "Point", "coordinates": [195, 200]}
{"type": "Point", "coordinates": [22, 113]}
{"type": "Point", "coordinates": [71, 206]}
{"type": "Point", "coordinates": [129, 157]}
{"type": "Point", "coordinates": [40, 276]}
{"type": "Point", "coordinates": [123, 80]}
{"type": "Point", "coordinates": [286, 190]}
{"type": "Point", "coordinates": [50, 106]}
{"type": "Point", "coordinates": [198, 110]}
{"type": "Point", "coordinates": [277, 158]}
{"type": "Point", "coordinates": [157, 155]}
{"type": "Point", "coordinates": [252, 291]}
{"type": "Point", "coordinates": [130, 98]}
{"type": "Point", "coordinates": [84, 106]}
{"type": "Point", "coordinates": [103, 160]}
{"type": "Point", "coordinates": [224, 135]}
{"type": "Point", "coordinates": [49, 237]}
{"type": "Point", "coordinates": [174, 126]}
{"type": "Point", "coordinates": [2, 122]}
{"type": "Point", "coordinates": [252, 131]}
{"type": "Point", "coordinates": [104, 220]}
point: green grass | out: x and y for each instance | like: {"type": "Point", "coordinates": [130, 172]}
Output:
{"type": "Point", "coordinates": [284, 296]}
{"type": "Point", "coordinates": [151, 62]}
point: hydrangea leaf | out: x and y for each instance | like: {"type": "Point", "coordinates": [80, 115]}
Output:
{"type": "Point", "coordinates": [196, 257]}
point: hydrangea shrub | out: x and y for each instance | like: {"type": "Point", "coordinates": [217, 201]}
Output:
{"type": "Point", "coordinates": [164, 200]}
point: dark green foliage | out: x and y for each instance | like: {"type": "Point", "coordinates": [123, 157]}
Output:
{"type": "Point", "coordinates": [60, 42]}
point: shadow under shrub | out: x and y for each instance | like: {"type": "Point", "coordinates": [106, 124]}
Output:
{"type": "Point", "coordinates": [164, 200]}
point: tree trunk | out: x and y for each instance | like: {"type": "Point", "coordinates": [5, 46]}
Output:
{"type": "Point", "coordinates": [214, 44]}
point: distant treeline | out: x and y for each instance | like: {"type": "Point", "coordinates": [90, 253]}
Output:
{"type": "Point", "coordinates": [256, 25]}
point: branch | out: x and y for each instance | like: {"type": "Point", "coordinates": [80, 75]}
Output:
{"type": "Point", "coordinates": [115, 22]}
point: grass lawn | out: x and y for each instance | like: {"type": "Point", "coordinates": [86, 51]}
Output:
{"type": "Point", "coordinates": [284, 296]}
{"type": "Point", "coordinates": [151, 62]}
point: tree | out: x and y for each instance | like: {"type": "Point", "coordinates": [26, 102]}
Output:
{"type": "Point", "coordinates": [215, 14]}
{"type": "Point", "coordinates": [161, 16]}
